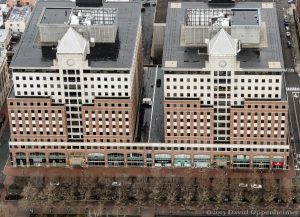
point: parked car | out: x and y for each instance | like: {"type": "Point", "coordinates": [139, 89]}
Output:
{"type": "Point", "coordinates": [288, 34]}
{"type": "Point", "coordinates": [158, 82]}
{"type": "Point", "coordinates": [287, 28]}
{"type": "Point", "coordinates": [146, 3]}
{"type": "Point", "coordinates": [147, 101]}
{"type": "Point", "coordinates": [285, 17]}
{"type": "Point", "coordinates": [243, 185]}
{"type": "Point", "coordinates": [116, 184]}
{"type": "Point", "coordinates": [143, 9]}
{"type": "Point", "coordinates": [291, 1]}
{"type": "Point", "coordinates": [256, 186]}
{"type": "Point", "coordinates": [286, 23]}
{"type": "Point", "coordinates": [289, 44]}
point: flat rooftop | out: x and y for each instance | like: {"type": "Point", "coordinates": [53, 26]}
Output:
{"type": "Point", "coordinates": [268, 55]}
{"type": "Point", "coordinates": [19, 13]}
{"type": "Point", "coordinates": [245, 17]}
{"type": "Point", "coordinates": [32, 54]}
{"type": "Point", "coordinates": [56, 15]}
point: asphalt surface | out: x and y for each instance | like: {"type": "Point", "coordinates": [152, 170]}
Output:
{"type": "Point", "coordinates": [291, 82]}
{"type": "Point", "coordinates": [147, 113]}
{"type": "Point", "coordinates": [281, 7]}
{"type": "Point", "coordinates": [4, 152]}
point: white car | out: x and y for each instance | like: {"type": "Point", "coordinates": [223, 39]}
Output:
{"type": "Point", "coordinates": [243, 185]}
{"type": "Point", "coordinates": [287, 28]}
{"type": "Point", "coordinates": [288, 34]}
{"type": "Point", "coordinates": [116, 184]}
{"type": "Point", "coordinates": [256, 186]}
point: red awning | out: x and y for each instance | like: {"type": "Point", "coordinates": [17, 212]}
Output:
{"type": "Point", "coordinates": [277, 163]}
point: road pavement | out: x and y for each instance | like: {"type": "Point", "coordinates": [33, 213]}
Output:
{"type": "Point", "coordinates": [4, 152]}
{"type": "Point", "coordinates": [152, 116]}
{"type": "Point", "coordinates": [291, 79]}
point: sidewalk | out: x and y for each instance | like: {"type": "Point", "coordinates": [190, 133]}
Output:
{"type": "Point", "coordinates": [134, 171]}
{"type": "Point", "coordinates": [294, 33]}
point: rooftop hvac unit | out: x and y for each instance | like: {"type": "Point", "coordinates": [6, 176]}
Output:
{"type": "Point", "coordinates": [89, 3]}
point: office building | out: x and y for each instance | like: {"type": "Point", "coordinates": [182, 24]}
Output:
{"type": "Point", "coordinates": [223, 78]}
{"type": "Point", "coordinates": [77, 76]}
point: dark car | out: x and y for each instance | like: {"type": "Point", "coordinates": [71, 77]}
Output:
{"type": "Point", "coordinates": [289, 44]}
{"type": "Point", "coordinates": [158, 82]}
{"type": "Point", "coordinates": [286, 22]}
{"type": "Point", "coordinates": [145, 4]}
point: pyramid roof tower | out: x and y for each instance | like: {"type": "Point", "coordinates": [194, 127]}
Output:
{"type": "Point", "coordinates": [222, 44]}
{"type": "Point", "coordinates": [72, 43]}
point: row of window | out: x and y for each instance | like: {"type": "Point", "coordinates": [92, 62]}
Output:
{"type": "Point", "coordinates": [150, 148]}
{"type": "Point", "coordinates": [44, 78]}
{"type": "Point", "coordinates": [236, 80]}
{"type": "Point", "coordinates": [276, 96]}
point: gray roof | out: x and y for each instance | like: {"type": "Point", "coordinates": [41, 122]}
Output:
{"type": "Point", "coordinates": [31, 54]}
{"type": "Point", "coordinates": [194, 58]}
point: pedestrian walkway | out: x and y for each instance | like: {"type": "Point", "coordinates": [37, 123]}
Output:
{"type": "Point", "coordinates": [134, 171]}
{"type": "Point", "coordinates": [294, 38]}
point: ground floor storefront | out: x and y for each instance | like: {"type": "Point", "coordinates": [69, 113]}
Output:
{"type": "Point", "coordinates": [150, 155]}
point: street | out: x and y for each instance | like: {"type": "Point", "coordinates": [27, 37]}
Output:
{"type": "Point", "coordinates": [291, 79]}
{"type": "Point", "coordinates": [152, 116]}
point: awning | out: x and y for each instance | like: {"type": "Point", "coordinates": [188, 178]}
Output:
{"type": "Point", "coordinates": [261, 159]}
{"type": "Point", "coordinates": [116, 158]}
{"type": "Point", "coordinates": [239, 160]}
{"type": "Point", "coordinates": [201, 158]}
{"type": "Point", "coordinates": [57, 156]}
{"type": "Point", "coordinates": [278, 163]}
{"type": "Point", "coordinates": [96, 157]}
{"type": "Point", "coordinates": [163, 157]}
{"type": "Point", "coordinates": [278, 159]}
{"type": "Point", "coordinates": [135, 158]}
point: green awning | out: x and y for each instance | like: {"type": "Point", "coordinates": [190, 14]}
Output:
{"type": "Point", "coordinates": [96, 158]}
{"type": "Point", "coordinates": [116, 158]}
{"type": "Point", "coordinates": [278, 159]}
{"type": "Point", "coordinates": [56, 157]}
{"type": "Point", "coordinates": [241, 160]}
{"type": "Point", "coordinates": [261, 160]}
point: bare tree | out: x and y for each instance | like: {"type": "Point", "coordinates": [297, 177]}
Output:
{"type": "Point", "coordinates": [285, 191]}
{"type": "Point", "coordinates": [86, 185]}
{"type": "Point", "coordinates": [139, 191]}
{"type": "Point", "coordinates": [172, 193]}
{"type": "Point", "coordinates": [106, 191]}
{"type": "Point", "coordinates": [156, 191]}
{"type": "Point", "coordinates": [270, 187]}
{"type": "Point", "coordinates": [203, 190]}
{"type": "Point", "coordinates": [188, 191]}
{"type": "Point", "coordinates": [236, 192]}
{"type": "Point", "coordinates": [219, 186]}
{"type": "Point", "coordinates": [29, 196]}
{"type": "Point", "coordinates": [49, 193]}
{"type": "Point", "coordinates": [98, 212]}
